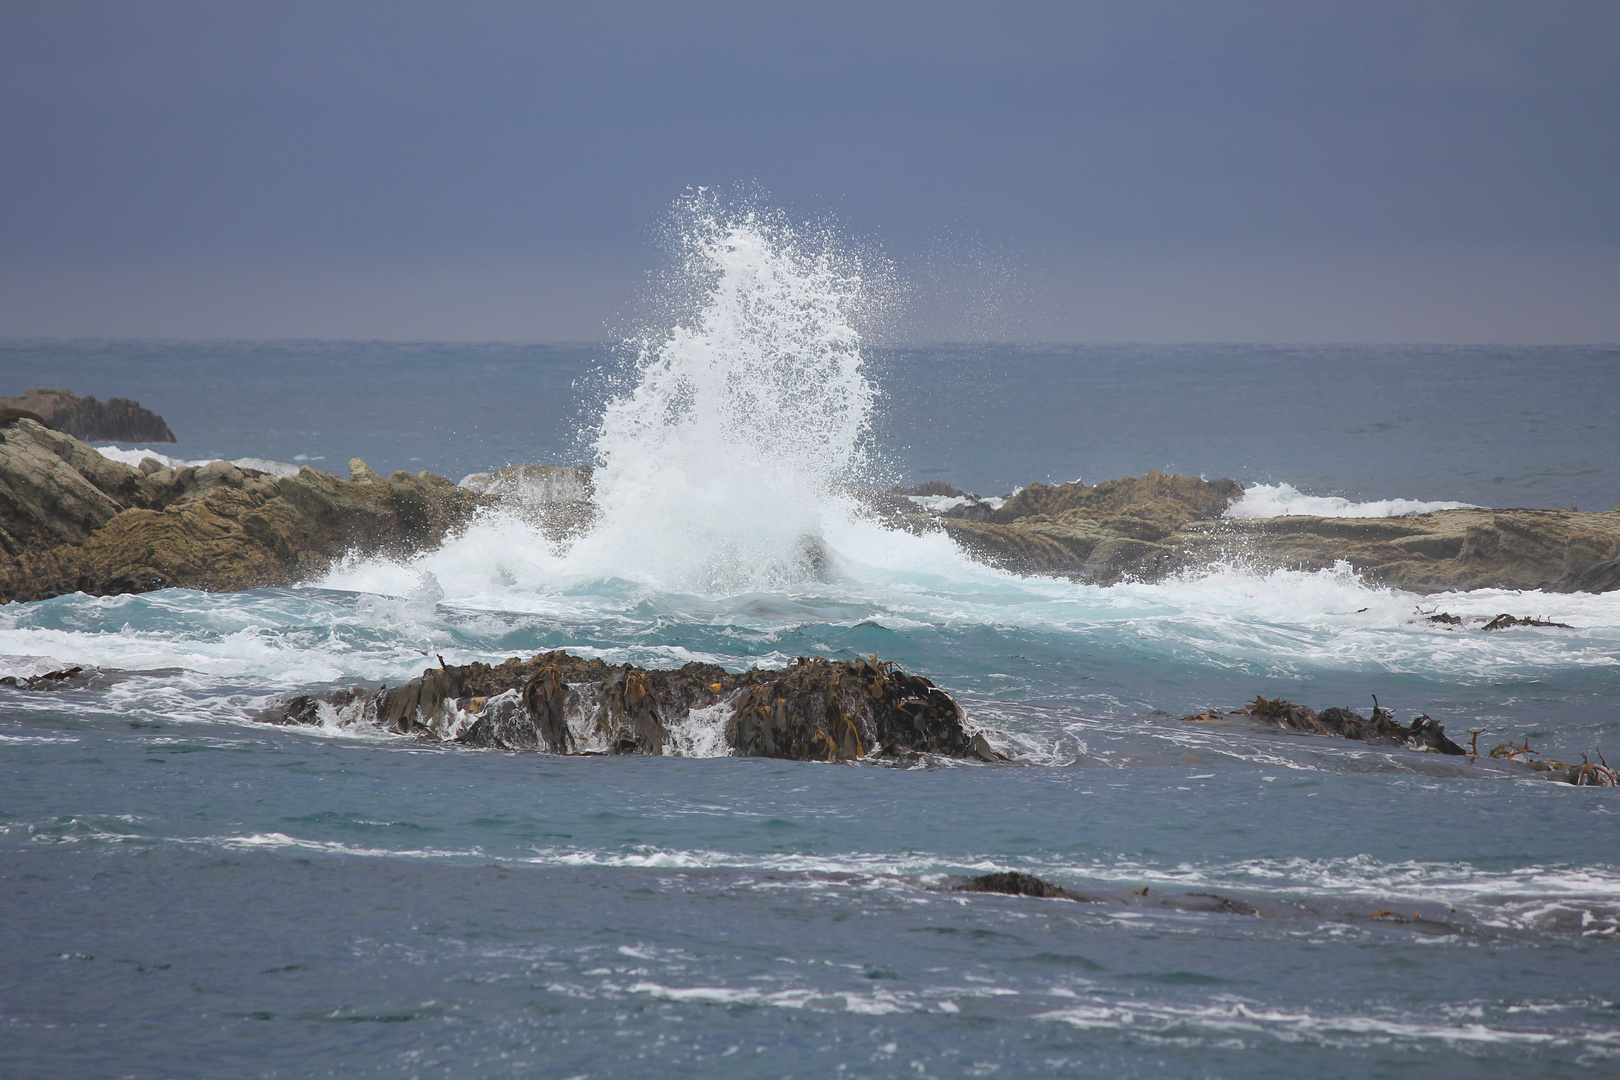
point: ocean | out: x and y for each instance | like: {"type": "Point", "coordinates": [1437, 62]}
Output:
{"type": "Point", "coordinates": [187, 893]}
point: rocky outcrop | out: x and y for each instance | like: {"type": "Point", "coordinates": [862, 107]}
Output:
{"type": "Point", "coordinates": [72, 520]}
{"type": "Point", "coordinates": [117, 419]}
{"type": "Point", "coordinates": [812, 710]}
{"type": "Point", "coordinates": [1103, 532]}
{"type": "Point", "coordinates": [1423, 733]}
{"type": "Point", "coordinates": [1145, 528]}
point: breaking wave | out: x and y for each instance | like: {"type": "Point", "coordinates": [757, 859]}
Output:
{"type": "Point", "coordinates": [1283, 500]}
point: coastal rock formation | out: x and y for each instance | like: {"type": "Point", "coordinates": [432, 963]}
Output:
{"type": "Point", "coordinates": [1103, 532]}
{"type": "Point", "coordinates": [118, 419]}
{"type": "Point", "coordinates": [72, 520]}
{"type": "Point", "coordinates": [813, 710]}
{"type": "Point", "coordinates": [1423, 733]}
{"type": "Point", "coordinates": [1148, 527]}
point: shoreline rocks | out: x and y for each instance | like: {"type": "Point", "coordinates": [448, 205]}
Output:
{"type": "Point", "coordinates": [74, 521]}
{"type": "Point", "coordinates": [71, 520]}
{"type": "Point", "coordinates": [1151, 527]}
{"type": "Point", "coordinates": [116, 419]}
{"type": "Point", "coordinates": [813, 710]}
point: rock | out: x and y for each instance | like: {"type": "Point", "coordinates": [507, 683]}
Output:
{"type": "Point", "coordinates": [1422, 734]}
{"type": "Point", "coordinates": [1448, 549]}
{"type": "Point", "coordinates": [1503, 621]}
{"type": "Point", "coordinates": [73, 678]}
{"type": "Point", "coordinates": [812, 710]}
{"type": "Point", "coordinates": [1012, 883]}
{"type": "Point", "coordinates": [118, 419]}
{"type": "Point", "coordinates": [1149, 527]}
{"type": "Point", "coordinates": [72, 520]}
{"type": "Point", "coordinates": [1598, 577]}
{"type": "Point", "coordinates": [1168, 501]}
{"type": "Point", "coordinates": [1100, 533]}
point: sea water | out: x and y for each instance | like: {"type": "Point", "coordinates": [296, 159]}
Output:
{"type": "Point", "coordinates": [184, 892]}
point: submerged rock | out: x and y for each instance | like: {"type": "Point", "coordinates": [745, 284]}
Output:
{"type": "Point", "coordinates": [812, 710]}
{"type": "Point", "coordinates": [118, 419]}
{"type": "Point", "coordinates": [1421, 734]}
{"type": "Point", "coordinates": [72, 520]}
{"type": "Point", "coordinates": [1013, 883]}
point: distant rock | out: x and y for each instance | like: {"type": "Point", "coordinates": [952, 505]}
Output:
{"type": "Point", "coordinates": [116, 419]}
{"type": "Point", "coordinates": [1145, 528]}
{"type": "Point", "coordinates": [72, 520]}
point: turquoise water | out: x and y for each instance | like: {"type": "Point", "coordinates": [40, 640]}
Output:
{"type": "Point", "coordinates": [186, 893]}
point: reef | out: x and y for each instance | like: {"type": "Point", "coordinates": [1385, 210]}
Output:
{"type": "Point", "coordinates": [813, 710]}
{"type": "Point", "coordinates": [1422, 733]}
{"type": "Point", "coordinates": [1153, 526]}
{"type": "Point", "coordinates": [74, 521]}
{"type": "Point", "coordinates": [117, 419]}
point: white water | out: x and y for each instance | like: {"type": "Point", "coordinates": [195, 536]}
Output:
{"type": "Point", "coordinates": [719, 469]}
{"type": "Point", "coordinates": [134, 457]}
{"type": "Point", "coordinates": [722, 468]}
{"type": "Point", "coordinates": [1283, 500]}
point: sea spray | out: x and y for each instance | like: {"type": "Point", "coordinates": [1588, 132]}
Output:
{"type": "Point", "coordinates": [718, 470]}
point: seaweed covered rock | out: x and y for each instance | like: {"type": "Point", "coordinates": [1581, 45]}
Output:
{"type": "Point", "coordinates": [1013, 883]}
{"type": "Point", "coordinates": [74, 521]}
{"type": "Point", "coordinates": [1421, 734]}
{"type": "Point", "coordinates": [814, 709]}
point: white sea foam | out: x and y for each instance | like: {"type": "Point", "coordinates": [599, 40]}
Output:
{"type": "Point", "coordinates": [1229, 1015]}
{"type": "Point", "coordinates": [1283, 500]}
{"type": "Point", "coordinates": [135, 456]}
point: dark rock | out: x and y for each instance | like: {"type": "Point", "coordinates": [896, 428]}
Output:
{"type": "Point", "coordinates": [1013, 883]}
{"type": "Point", "coordinates": [815, 709]}
{"type": "Point", "coordinates": [118, 419]}
{"type": "Point", "coordinates": [1422, 734]}
{"type": "Point", "coordinates": [73, 678]}
{"type": "Point", "coordinates": [1598, 577]}
{"type": "Point", "coordinates": [1502, 622]}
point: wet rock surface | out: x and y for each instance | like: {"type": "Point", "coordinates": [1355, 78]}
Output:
{"type": "Point", "coordinates": [1149, 527]}
{"type": "Point", "coordinates": [116, 419]}
{"type": "Point", "coordinates": [72, 520]}
{"type": "Point", "coordinates": [1421, 733]}
{"type": "Point", "coordinates": [812, 710]}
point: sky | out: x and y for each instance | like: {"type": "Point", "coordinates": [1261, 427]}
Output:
{"type": "Point", "coordinates": [1150, 172]}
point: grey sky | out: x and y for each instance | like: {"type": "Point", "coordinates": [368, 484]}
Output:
{"type": "Point", "coordinates": [1150, 172]}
